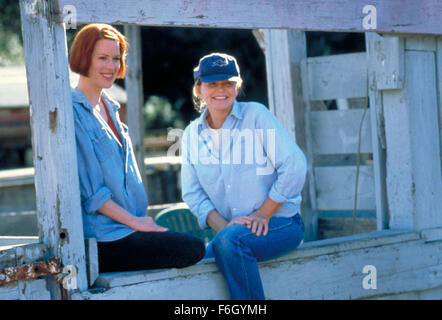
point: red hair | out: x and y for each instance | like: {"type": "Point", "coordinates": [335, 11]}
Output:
{"type": "Point", "coordinates": [84, 44]}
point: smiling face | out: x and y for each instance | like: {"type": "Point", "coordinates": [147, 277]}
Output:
{"type": "Point", "coordinates": [218, 96]}
{"type": "Point", "coordinates": [105, 64]}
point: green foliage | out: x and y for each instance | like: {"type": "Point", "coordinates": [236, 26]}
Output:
{"type": "Point", "coordinates": [159, 113]}
{"type": "Point", "coordinates": [11, 48]}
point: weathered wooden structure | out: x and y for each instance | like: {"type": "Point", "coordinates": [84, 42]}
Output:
{"type": "Point", "coordinates": [400, 73]}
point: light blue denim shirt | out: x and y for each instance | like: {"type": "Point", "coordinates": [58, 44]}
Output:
{"type": "Point", "coordinates": [107, 169]}
{"type": "Point", "coordinates": [256, 159]}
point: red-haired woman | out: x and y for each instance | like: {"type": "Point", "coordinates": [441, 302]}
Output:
{"type": "Point", "coordinates": [113, 198]}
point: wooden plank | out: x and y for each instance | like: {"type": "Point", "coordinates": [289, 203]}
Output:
{"type": "Point", "coordinates": [337, 76]}
{"type": "Point", "coordinates": [335, 188]}
{"type": "Point", "coordinates": [439, 89]}
{"type": "Point", "coordinates": [53, 136]}
{"type": "Point", "coordinates": [420, 43]}
{"type": "Point", "coordinates": [284, 51]}
{"type": "Point", "coordinates": [292, 275]}
{"type": "Point", "coordinates": [310, 189]}
{"type": "Point", "coordinates": [26, 290]}
{"type": "Point", "coordinates": [339, 227]}
{"type": "Point", "coordinates": [405, 16]}
{"type": "Point", "coordinates": [91, 260]}
{"type": "Point", "coordinates": [413, 161]}
{"type": "Point", "coordinates": [8, 242]}
{"type": "Point", "coordinates": [375, 74]}
{"type": "Point", "coordinates": [337, 131]}
{"type": "Point", "coordinates": [135, 95]}
{"type": "Point", "coordinates": [16, 177]}
{"type": "Point", "coordinates": [386, 59]}
{"type": "Point", "coordinates": [279, 78]}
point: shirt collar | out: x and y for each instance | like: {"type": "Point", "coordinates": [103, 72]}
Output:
{"type": "Point", "coordinates": [237, 112]}
{"type": "Point", "coordinates": [79, 97]}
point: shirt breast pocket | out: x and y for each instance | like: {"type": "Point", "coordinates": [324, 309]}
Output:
{"type": "Point", "coordinates": [105, 147]}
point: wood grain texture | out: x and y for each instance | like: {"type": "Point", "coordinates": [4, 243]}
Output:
{"type": "Point", "coordinates": [53, 136]}
{"type": "Point", "coordinates": [325, 269]}
{"type": "Point", "coordinates": [401, 16]}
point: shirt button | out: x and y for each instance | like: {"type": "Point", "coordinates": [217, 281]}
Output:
{"type": "Point", "coordinates": [234, 209]}
{"type": "Point", "coordinates": [228, 186]}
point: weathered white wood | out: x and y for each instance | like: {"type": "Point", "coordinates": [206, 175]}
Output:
{"type": "Point", "coordinates": [91, 260]}
{"type": "Point", "coordinates": [310, 207]}
{"type": "Point", "coordinates": [26, 290]}
{"type": "Point", "coordinates": [377, 77]}
{"type": "Point", "coordinates": [135, 94]}
{"type": "Point", "coordinates": [387, 61]}
{"type": "Point", "coordinates": [53, 137]}
{"type": "Point", "coordinates": [21, 255]}
{"type": "Point", "coordinates": [285, 49]}
{"type": "Point", "coordinates": [439, 89]}
{"type": "Point", "coordinates": [406, 16]}
{"type": "Point", "coordinates": [335, 188]}
{"type": "Point", "coordinates": [337, 131]}
{"type": "Point", "coordinates": [414, 182]}
{"type": "Point", "coordinates": [16, 177]}
{"type": "Point", "coordinates": [7, 242]}
{"type": "Point", "coordinates": [420, 43]}
{"type": "Point", "coordinates": [434, 234]}
{"type": "Point", "coordinates": [300, 274]}
{"type": "Point", "coordinates": [337, 76]}
{"type": "Point", "coordinates": [279, 78]}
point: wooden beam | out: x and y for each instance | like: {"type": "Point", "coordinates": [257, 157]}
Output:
{"type": "Point", "coordinates": [336, 188]}
{"type": "Point", "coordinates": [336, 131]}
{"type": "Point", "coordinates": [337, 76]}
{"type": "Point", "coordinates": [135, 95]}
{"type": "Point", "coordinates": [402, 16]}
{"type": "Point", "coordinates": [301, 273]}
{"type": "Point", "coordinates": [414, 182]}
{"type": "Point", "coordinates": [53, 135]}
{"type": "Point", "coordinates": [439, 90]}
{"type": "Point", "coordinates": [284, 51]}
{"type": "Point", "coordinates": [377, 76]}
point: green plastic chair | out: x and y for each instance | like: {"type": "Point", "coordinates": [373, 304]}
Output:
{"type": "Point", "coordinates": [182, 220]}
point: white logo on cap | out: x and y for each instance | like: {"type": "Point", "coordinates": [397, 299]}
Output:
{"type": "Point", "coordinates": [220, 63]}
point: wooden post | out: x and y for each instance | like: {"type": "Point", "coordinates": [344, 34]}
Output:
{"type": "Point", "coordinates": [414, 182]}
{"type": "Point", "coordinates": [135, 95]}
{"type": "Point", "coordinates": [439, 88]}
{"type": "Point", "coordinates": [385, 66]}
{"type": "Point", "coordinates": [53, 137]}
{"type": "Point", "coordinates": [284, 50]}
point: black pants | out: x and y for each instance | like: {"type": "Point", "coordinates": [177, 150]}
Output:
{"type": "Point", "coordinates": [150, 250]}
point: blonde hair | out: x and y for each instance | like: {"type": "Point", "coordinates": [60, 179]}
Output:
{"type": "Point", "coordinates": [199, 103]}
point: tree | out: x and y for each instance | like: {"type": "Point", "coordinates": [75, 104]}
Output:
{"type": "Point", "coordinates": [11, 48]}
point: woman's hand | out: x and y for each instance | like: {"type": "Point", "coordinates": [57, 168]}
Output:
{"type": "Point", "coordinates": [145, 224]}
{"type": "Point", "coordinates": [259, 223]}
{"type": "Point", "coordinates": [242, 220]}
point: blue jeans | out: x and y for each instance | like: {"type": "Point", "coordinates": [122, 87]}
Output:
{"type": "Point", "coordinates": [237, 251]}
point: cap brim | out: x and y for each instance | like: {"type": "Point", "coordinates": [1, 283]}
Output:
{"type": "Point", "coordinates": [219, 77]}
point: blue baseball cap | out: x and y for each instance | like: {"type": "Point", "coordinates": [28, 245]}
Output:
{"type": "Point", "coordinates": [217, 67]}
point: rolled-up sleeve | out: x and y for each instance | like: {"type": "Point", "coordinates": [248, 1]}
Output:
{"type": "Point", "coordinates": [93, 191]}
{"type": "Point", "coordinates": [192, 191]}
{"type": "Point", "coordinates": [288, 159]}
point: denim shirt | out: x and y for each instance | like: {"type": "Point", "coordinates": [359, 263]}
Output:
{"type": "Point", "coordinates": [107, 169]}
{"type": "Point", "coordinates": [257, 159]}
